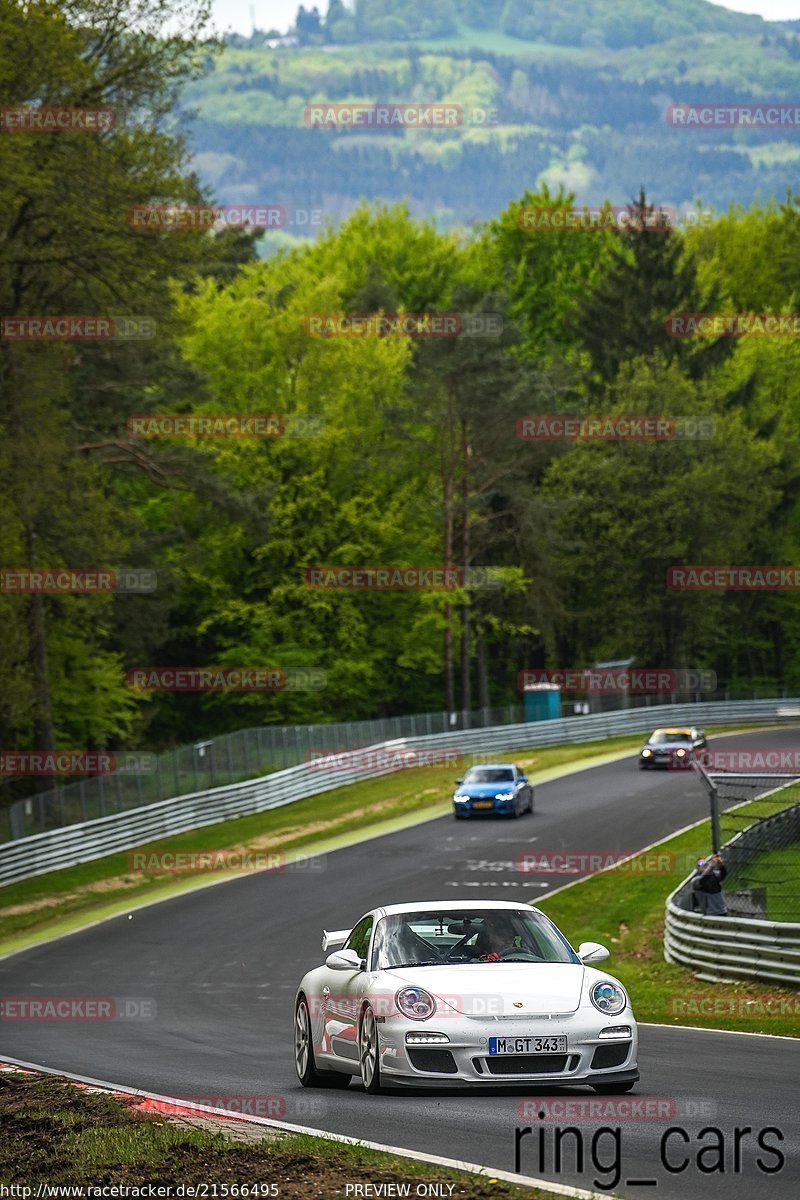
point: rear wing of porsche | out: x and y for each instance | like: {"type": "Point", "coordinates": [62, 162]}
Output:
{"type": "Point", "coordinates": [334, 939]}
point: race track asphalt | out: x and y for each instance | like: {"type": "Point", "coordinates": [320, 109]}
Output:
{"type": "Point", "coordinates": [217, 969]}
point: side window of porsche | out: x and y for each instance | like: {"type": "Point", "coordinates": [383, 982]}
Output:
{"type": "Point", "coordinates": [359, 938]}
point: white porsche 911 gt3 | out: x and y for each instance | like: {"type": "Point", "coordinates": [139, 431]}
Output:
{"type": "Point", "coordinates": [453, 992]}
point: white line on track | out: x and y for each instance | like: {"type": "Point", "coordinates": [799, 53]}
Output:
{"type": "Point", "coordinates": [776, 1037]}
{"type": "Point", "coordinates": [558, 1189]}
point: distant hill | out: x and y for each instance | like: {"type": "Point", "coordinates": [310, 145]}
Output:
{"type": "Point", "coordinates": [614, 23]}
{"type": "Point", "coordinates": [570, 93]}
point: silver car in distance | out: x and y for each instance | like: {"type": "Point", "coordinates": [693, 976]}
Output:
{"type": "Point", "coordinates": [455, 993]}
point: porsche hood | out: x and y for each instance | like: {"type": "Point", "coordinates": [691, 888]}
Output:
{"type": "Point", "coordinates": [499, 990]}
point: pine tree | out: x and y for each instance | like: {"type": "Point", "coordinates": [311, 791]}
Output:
{"type": "Point", "coordinates": [624, 316]}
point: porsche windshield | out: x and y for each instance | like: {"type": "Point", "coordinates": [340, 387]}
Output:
{"type": "Point", "coordinates": [421, 939]}
{"type": "Point", "coordinates": [664, 736]}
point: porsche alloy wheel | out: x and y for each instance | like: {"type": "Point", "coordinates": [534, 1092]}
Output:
{"type": "Point", "coordinates": [369, 1052]}
{"type": "Point", "coordinates": [306, 1067]}
{"type": "Point", "coordinates": [302, 1041]}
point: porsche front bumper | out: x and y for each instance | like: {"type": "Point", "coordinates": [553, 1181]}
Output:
{"type": "Point", "coordinates": [465, 1059]}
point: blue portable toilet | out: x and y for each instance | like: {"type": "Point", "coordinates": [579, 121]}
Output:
{"type": "Point", "coordinates": [542, 701]}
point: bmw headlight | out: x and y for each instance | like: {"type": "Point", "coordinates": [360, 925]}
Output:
{"type": "Point", "coordinates": [646, 753]}
{"type": "Point", "coordinates": [608, 997]}
{"type": "Point", "coordinates": [415, 1003]}
{"type": "Point", "coordinates": [460, 798]}
{"type": "Point", "coordinates": [504, 796]}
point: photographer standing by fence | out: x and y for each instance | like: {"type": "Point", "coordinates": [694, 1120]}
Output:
{"type": "Point", "coordinates": [707, 886]}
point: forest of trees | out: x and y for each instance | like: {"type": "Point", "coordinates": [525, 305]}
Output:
{"type": "Point", "coordinates": [615, 23]}
{"type": "Point", "coordinates": [412, 458]}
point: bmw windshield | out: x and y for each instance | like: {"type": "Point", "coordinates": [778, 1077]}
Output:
{"type": "Point", "coordinates": [489, 775]}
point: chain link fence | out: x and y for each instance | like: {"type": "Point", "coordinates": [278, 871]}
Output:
{"type": "Point", "coordinates": [253, 753]}
{"type": "Point", "coordinates": [758, 817]}
{"type": "Point", "coordinates": [762, 844]}
{"type": "Point", "coordinates": [215, 762]}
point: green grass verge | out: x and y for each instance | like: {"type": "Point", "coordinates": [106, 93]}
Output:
{"type": "Point", "coordinates": [624, 909]}
{"type": "Point", "coordinates": [55, 1133]}
{"type": "Point", "coordinates": [779, 872]}
{"type": "Point", "coordinates": [62, 900]}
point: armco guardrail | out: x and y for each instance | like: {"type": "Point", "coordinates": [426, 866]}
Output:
{"type": "Point", "coordinates": [143, 778]}
{"type": "Point", "coordinates": [228, 758]}
{"type": "Point", "coordinates": [93, 839]}
{"type": "Point", "coordinates": [734, 948]}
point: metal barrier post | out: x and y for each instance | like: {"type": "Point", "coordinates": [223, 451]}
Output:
{"type": "Point", "coordinates": [713, 800]}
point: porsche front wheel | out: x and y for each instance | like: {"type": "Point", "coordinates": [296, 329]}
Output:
{"type": "Point", "coordinates": [307, 1071]}
{"type": "Point", "coordinates": [369, 1054]}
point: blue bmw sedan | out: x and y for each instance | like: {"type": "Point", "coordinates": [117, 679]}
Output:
{"type": "Point", "coordinates": [493, 788]}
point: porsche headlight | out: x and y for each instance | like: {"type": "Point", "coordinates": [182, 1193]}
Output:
{"type": "Point", "coordinates": [608, 997]}
{"type": "Point", "coordinates": [647, 752]}
{"type": "Point", "coordinates": [680, 753]}
{"type": "Point", "coordinates": [415, 1003]}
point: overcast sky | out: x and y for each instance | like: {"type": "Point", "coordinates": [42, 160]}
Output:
{"type": "Point", "coordinates": [236, 14]}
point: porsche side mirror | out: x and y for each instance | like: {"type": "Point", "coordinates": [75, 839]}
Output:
{"type": "Point", "coordinates": [344, 960]}
{"type": "Point", "coordinates": [590, 952]}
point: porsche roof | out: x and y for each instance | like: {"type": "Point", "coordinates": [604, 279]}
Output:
{"type": "Point", "coordinates": [449, 905]}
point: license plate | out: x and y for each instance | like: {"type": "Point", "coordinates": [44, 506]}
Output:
{"type": "Point", "coordinates": [483, 803]}
{"type": "Point", "coordinates": [528, 1045]}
